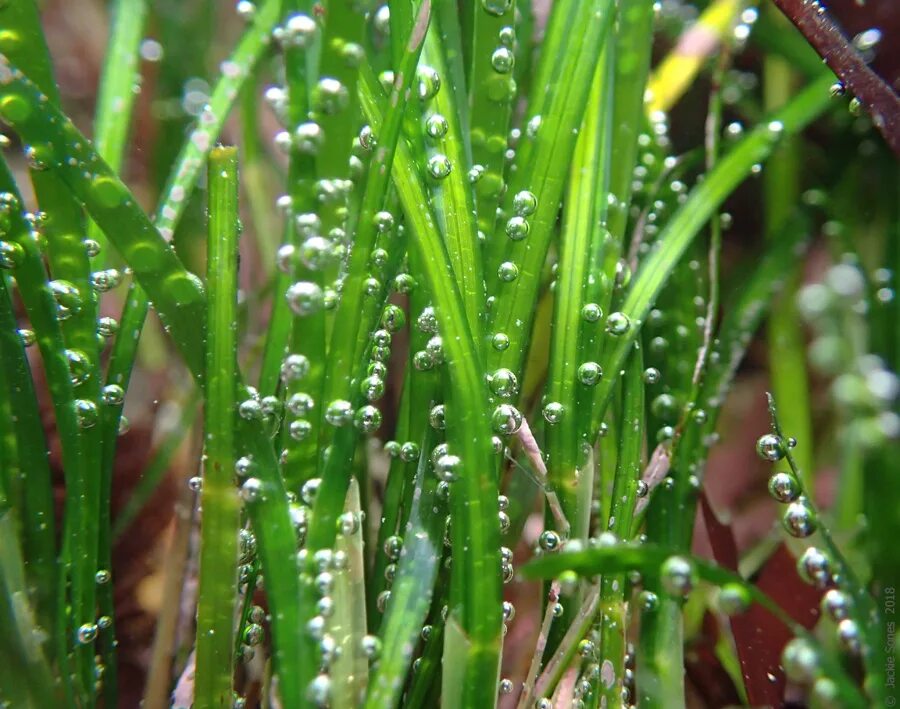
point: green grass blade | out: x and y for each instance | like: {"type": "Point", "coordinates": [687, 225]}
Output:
{"type": "Point", "coordinates": [35, 507]}
{"type": "Point", "coordinates": [490, 105]}
{"type": "Point", "coordinates": [117, 96]}
{"type": "Point", "coordinates": [219, 499]}
{"type": "Point", "coordinates": [453, 196]}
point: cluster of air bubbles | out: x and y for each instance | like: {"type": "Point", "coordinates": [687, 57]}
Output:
{"type": "Point", "coordinates": [865, 390]}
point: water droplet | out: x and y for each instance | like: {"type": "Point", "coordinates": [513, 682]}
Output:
{"type": "Point", "coordinates": [617, 324]}
{"type": "Point", "coordinates": [508, 271]}
{"type": "Point", "coordinates": [112, 395]}
{"type": "Point", "coordinates": [506, 419]}
{"type": "Point", "coordinates": [783, 487]}
{"type": "Point", "coordinates": [553, 412]}
{"type": "Point", "coordinates": [305, 298]}
{"type": "Point", "coordinates": [799, 519]}
{"type": "Point", "coordinates": [87, 633]}
{"type": "Point", "coordinates": [500, 341]}
{"type": "Point", "coordinates": [651, 375]}
{"type": "Point", "coordinates": [503, 383]}
{"type": "Point", "coordinates": [294, 367]}
{"type": "Point", "coordinates": [339, 412]}
{"type": "Point", "coordinates": [517, 228]}
{"type": "Point", "coordinates": [86, 413]}
{"type": "Point", "coordinates": [549, 540]}
{"type": "Point", "coordinates": [503, 60]}
{"type": "Point", "coordinates": [496, 7]}
{"type": "Point", "coordinates": [676, 576]}
{"type": "Point", "coordinates": [11, 254]}
{"type": "Point", "coordinates": [436, 126]}
{"type": "Point", "coordinates": [770, 447]}
{"type": "Point", "coordinates": [367, 419]}
{"type": "Point", "coordinates": [439, 166]}
{"type": "Point", "coordinates": [591, 312]}
{"type": "Point", "coordinates": [251, 490]}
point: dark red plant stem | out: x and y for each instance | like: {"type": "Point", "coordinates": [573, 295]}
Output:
{"type": "Point", "coordinates": [826, 38]}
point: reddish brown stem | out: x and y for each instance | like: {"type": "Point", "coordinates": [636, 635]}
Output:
{"type": "Point", "coordinates": [826, 38]}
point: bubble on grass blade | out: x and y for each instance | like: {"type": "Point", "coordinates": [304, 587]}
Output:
{"type": "Point", "coordinates": [339, 412]}
{"type": "Point", "coordinates": [677, 576]}
{"type": "Point", "coordinates": [589, 373]}
{"type": "Point", "coordinates": [549, 540]}
{"type": "Point", "coordinates": [801, 661]}
{"type": "Point", "coordinates": [496, 7]}
{"type": "Point", "coordinates": [517, 228]}
{"type": "Point", "coordinates": [447, 468]}
{"type": "Point", "coordinates": [367, 419]}
{"type": "Point", "coordinates": [836, 604]}
{"type": "Point", "coordinates": [79, 367]}
{"type": "Point", "coordinates": [439, 166]}
{"type": "Point", "coordinates": [305, 298]}
{"type": "Point", "coordinates": [733, 599]}
{"type": "Point", "coordinates": [436, 126]}
{"type": "Point", "coordinates": [814, 567]}
{"type": "Point", "coordinates": [783, 487]}
{"type": "Point", "coordinates": [508, 271]}
{"type": "Point", "coordinates": [86, 633]}
{"type": "Point", "coordinates": [506, 419]}
{"type": "Point", "coordinates": [618, 324]}
{"type": "Point", "coordinates": [799, 518]}
{"type": "Point", "coordinates": [503, 383]}
{"type": "Point", "coordinates": [553, 412]}
{"type": "Point", "coordinates": [86, 413]}
{"type": "Point", "coordinates": [591, 312]}
{"type": "Point", "coordinates": [770, 447]}
{"type": "Point", "coordinates": [503, 60]}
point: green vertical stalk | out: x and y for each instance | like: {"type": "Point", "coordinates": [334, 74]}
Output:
{"type": "Point", "coordinates": [787, 349]}
{"type": "Point", "coordinates": [220, 520]}
{"type": "Point", "coordinates": [613, 619]}
{"type": "Point", "coordinates": [490, 99]}
{"type": "Point", "coordinates": [117, 96]}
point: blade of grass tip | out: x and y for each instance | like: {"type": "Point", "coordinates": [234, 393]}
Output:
{"type": "Point", "coordinates": [413, 586]}
{"type": "Point", "coordinates": [613, 619]}
{"type": "Point", "coordinates": [25, 680]}
{"type": "Point", "coordinates": [220, 518]}
{"type": "Point", "coordinates": [676, 73]}
{"type": "Point", "coordinates": [532, 200]}
{"type": "Point", "coordinates": [490, 102]}
{"type": "Point", "coordinates": [475, 609]}
{"type": "Point", "coordinates": [688, 220]}
{"type": "Point", "coordinates": [863, 609]}
{"type": "Point", "coordinates": [115, 101]}
{"type": "Point", "coordinates": [453, 203]}
{"type": "Point", "coordinates": [178, 297]}
{"type": "Point", "coordinates": [350, 672]}
{"type": "Point", "coordinates": [35, 507]}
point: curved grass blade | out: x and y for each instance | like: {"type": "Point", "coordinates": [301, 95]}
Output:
{"type": "Point", "coordinates": [413, 587]}
{"type": "Point", "coordinates": [219, 499]}
{"type": "Point", "coordinates": [686, 223]}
